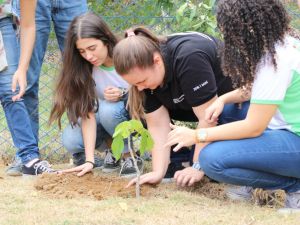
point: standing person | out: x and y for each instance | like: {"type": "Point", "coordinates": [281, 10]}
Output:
{"type": "Point", "coordinates": [93, 95]}
{"type": "Point", "coordinates": [178, 77]}
{"type": "Point", "coordinates": [13, 84]}
{"type": "Point", "coordinates": [61, 13]}
{"type": "Point", "coordinates": [262, 150]}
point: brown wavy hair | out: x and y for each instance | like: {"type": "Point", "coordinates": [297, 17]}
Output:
{"type": "Point", "coordinates": [250, 28]}
{"type": "Point", "coordinates": [136, 50]}
{"type": "Point", "coordinates": [75, 89]}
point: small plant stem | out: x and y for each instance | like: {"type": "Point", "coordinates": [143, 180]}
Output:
{"type": "Point", "coordinates": [138, 173]}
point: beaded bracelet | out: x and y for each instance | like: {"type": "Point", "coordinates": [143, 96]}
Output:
{"type": "Point", "coordinates": [91, 163]}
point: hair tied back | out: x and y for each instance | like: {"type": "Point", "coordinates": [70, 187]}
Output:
{"type": "Point", "coordinates": [130, 33]}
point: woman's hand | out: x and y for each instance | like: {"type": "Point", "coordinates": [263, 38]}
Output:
{"type": "Point", "coordinates": [182, 136]}
{"type": "Point", "coordinates": [82, 169]}
{"type": "Point", "coordinates": [150, 178]}
{"type": "Point", "coordinates": [112, 94]}
{"type": "Point", "coordinates": [213, 111]}
{"type": "Point", "coordinates": [19, 78]}
{"type": "Point", "coordinates": [188, 176]}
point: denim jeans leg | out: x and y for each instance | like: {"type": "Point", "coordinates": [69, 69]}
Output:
{"type": "Point", "coordinates": [270, 161]}
{"type": "Point", "coordinates": [63, 12]}
{"type": "Point", "coordinates": [15, 112]}
{"type": "Point", "coordinates": [110, 114]}
{"type": "Point", "coordinates": [43, 24]}
{"type": "Point", "coordinates": [72, 138]}
{"type": "Point", "coordinates": [234, 112]}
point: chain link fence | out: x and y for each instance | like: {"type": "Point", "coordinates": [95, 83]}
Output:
{"type": "Point", "coordinates": [119, 14]}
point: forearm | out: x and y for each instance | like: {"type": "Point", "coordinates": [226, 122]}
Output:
{"type": "Point", "coordinates": [89, 129]}
{"type": "Point", "coordinates": [159, 128]}
{"type": "Point", "coordinates": [232, 131]}
{"type": "Point", "coordinates": [28, 31]}
{"type": "Point", "coordinates": [257, 120]}
{"type": "Point", "coordinates": [200, 146]}
{"type": "Point", "coordinates": [160, 153]}
{"type": "Point", "coordinates": [235, 96]}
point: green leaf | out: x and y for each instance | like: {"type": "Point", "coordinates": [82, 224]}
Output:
{"type": "Point", "coordinates": [117, 132]}
{"type": "Point", "coordinates": [150, 142]}
{"type": "Point", "coordinates": [136, 125]}
{"type": "Point", "coordinates": [181, 9]}
{"type": "Point", "coordinates": [143, 142]}
{"type": "Point", "coordinates": [117, 146]}
{"type": "Point", "coordinates": [193, 13]}
{"type": "Point", "coordinates": [124, 129]}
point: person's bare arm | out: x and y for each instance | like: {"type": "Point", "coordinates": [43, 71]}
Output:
{"type": "Point", "coordinates": [158, 126]}
{"type": "Point", "coordinates": [27, 28]}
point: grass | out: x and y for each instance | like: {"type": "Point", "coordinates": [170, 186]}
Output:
{"type": "Point", "coordinates": [22, 204]}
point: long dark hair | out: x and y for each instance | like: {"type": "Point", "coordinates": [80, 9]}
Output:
{"type": "Point", "coordinates": [136, 50]}
{"type": "Point", "coordinates": [75, 89]}
{"type": "Point", "coordinates": [251, 28]}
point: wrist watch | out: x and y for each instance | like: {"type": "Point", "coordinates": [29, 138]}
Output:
{"type": "Point", "coordinates": [201, 135]}
{"type": "Point", "coordinates": [196, 165]}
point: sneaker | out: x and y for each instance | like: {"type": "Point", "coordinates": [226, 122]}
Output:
{"type": "Point", "coordinates": [128, 170]}
{"type": "Point", "coordinates": [38, 167]}
{"type": "Point", "coordinates": [172, 168]}
{"type": "Point", "coordinates": [243, 193]}
{"type": "Point", "coordinates": [292, 203]}
{"type": "Point", "coordinates": [79, 159]}
{"type": "Point", "coordinates": [15, 169]}
{"type": "Point", "coordinates": [258, 195]}
{"type": "Point", "coordinates": [110, 162]}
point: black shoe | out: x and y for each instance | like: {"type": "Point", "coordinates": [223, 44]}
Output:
{"type": "Point", "coordinates": [38, 167]}
{"type": "Point", "coordinates": [79, 159]}
{"type": "Point", "coordinates": [172, 168]}
{"type": "Point", "coordinates": [128, 170]}
{"type": "Point", "coordinates": [110, 162]}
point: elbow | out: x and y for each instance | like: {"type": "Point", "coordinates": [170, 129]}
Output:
{"type": "Point", "coordinates": [256, 132]}
{"type": "Point", "coordinates": [252, 130]}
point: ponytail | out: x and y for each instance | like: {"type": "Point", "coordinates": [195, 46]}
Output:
{"type": "Point", "coordinates": [136, 51]}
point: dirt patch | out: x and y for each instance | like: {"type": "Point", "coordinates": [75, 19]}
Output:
{"type": "Point", "coordinates": [91, 185]}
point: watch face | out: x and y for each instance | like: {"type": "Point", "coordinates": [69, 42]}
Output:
{"type": "Point", "coordinates": [197, 166]}
{"type": "Point", "coordinates": [202, 134]}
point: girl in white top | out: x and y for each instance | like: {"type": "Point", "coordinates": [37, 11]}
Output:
{"type": "Point", "coordinates": [263, 149]}
{"type": "Point", "coordinates": [91, 93]}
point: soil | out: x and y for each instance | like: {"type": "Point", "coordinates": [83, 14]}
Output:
{"type": "Point", "coordinates": [99, 186]}
{"type": "Point", "coordinates": [91, 185]}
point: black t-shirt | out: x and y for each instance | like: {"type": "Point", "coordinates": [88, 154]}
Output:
{"type": "Point", "coordinates": [193, 75]}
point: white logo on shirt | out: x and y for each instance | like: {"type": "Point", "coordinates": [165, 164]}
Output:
{"type": "Point", "coordinates": [200, 85]}
{"type": "Point", "coordinates": [178, 100]}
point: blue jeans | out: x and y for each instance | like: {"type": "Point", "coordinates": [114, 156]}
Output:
{"type": "Point", "coordinates": [270, 161]}
{"type": "Point", "coordinates": [231, 112]}
{"type": "Point", "coordinates": [61, 13]}
{"type": "Point", "coordinates": [16, 114]}
{"type": "Point", "coordinates": [109, 115]}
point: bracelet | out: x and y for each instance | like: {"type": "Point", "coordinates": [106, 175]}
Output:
{"type": "Point", "coordinates": [124, 91]}
{"type": "Point", "coordinates": [196, 165]}
{"type": "Point", "coordinates": [91, 163]}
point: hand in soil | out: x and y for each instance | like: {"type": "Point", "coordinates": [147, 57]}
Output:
{"type": "Point", "coordinates": [150, 178]}
{"type": "Point", "coordinates": [188, 176]}
{"type": "Point", "coordinates": [82, 169]}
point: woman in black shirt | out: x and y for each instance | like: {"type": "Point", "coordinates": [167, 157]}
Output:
{"type": "Point", "coordinates": [176, 77]}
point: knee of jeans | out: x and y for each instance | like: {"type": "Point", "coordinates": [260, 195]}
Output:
{"type": "Point", "coordinates": [71, 141]}
{"type": "Point", "coordinates": [211, 160]}
{"type": "Point", "coordinates": [110, 111]}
